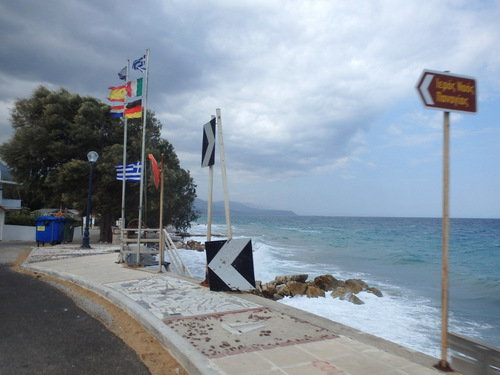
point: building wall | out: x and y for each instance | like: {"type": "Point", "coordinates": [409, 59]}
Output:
{"type": "Point", "coordinates": [25, 233]}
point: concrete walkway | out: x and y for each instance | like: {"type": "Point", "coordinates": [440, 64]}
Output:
{"type": "Point", "coordinates": [227, 333]}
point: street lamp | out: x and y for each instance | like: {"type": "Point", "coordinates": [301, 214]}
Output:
{"type": "Point", "coordinates": [92, 156]}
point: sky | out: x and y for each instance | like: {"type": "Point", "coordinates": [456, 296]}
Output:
{"type": "Point", "coordinates": [319, 107]}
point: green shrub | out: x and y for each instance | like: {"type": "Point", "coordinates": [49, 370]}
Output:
{"type": "Point", "coordinates": [15, 218]}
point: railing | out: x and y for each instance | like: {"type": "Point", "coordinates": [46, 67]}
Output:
{"type": "Point", "coordinates": [176, 263]}
{"type": "Point", "coordinates": [473, 357]}
{"type": "Point", "coordinates": [176, 260]}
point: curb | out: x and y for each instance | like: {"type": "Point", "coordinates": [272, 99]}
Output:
{"type": "Point", "coordinates": [189, 358]}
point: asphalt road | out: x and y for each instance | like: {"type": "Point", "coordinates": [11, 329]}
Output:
{"type": "Point", "coordinates": [43, 331]}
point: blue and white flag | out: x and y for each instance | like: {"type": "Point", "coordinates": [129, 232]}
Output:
{"type": "Point", "coordinates": [122, 74]}
{"type": "Point", "coordinates": [132, 172]}
{"type": "Point", "coordinates": [140, 64]}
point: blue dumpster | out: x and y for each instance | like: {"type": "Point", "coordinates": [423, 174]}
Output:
{"type": "Point", "coordinates": [49, 229]}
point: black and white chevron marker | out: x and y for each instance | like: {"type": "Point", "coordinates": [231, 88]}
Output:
{"type": "Point", "coordinates": [208, 149]}
{"type": "Point", "coordinates": [230, 264]}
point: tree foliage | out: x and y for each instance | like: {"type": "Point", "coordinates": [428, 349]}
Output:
{"type": "Point", "coordinates": [54, 131]}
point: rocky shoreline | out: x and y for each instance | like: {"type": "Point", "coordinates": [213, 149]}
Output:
{"type": "Point", "coordinates": [296, 285]}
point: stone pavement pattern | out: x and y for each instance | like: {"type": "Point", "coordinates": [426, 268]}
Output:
{"type": "Point", "coordinates": [220, 332]}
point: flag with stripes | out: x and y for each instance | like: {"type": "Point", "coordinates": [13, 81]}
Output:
{"type": "Point", "coordinates": [132, 172]}
{"type": "Point", "coordinates": [140, 64]}
{"type": "Point", "coordinates": [117, 110]}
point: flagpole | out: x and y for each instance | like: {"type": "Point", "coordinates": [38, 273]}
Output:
{"type": "Point", "coordinates": [125, 136]}
{"type": "Point", "coordinates": [143, 156]}
{"type": "Point", "coordinates": [162, 242]}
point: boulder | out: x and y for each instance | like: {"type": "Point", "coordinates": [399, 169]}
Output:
{"type": "Point", "coordinates": [195, 245]}
{"type": "Point", "coordinates": [294, 285]}
{"type": "Point", "coordinates": [344, 294]}
{"type": "Point", "coordinates": [339, 292]}
{"type": "Point", "coordinates": [296, 288]}
{"type": "Point", "coordinates": [283, 290]}
{"type": "Point", "coordinates": [326, 282]}
{"type": "Point", "coordinates": [356, 285]}
{"type": "Point", "coordinates": [375, 291]}
{"type": "Point", "coordinates": [269, 289]}
{"type": "Point", "coordinates": [286, 278]}
{"type": "Point", "coordinates": [314, 292]}
{"type": "Point", "coordinates": [353, 299]}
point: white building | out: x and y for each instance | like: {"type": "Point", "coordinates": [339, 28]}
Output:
{"type": "Point", "coordinates": [6, 204]}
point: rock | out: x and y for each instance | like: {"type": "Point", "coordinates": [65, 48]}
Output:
{"type": "Point", "coordinates": [258, 286]}
{"type": "Point", "coordinates": [269, 289]}
{"type": "Point", "coordinates": [283, 290]}
{"type": "Point", "coordinates": [326, 282]}
{"type": "Point", "coordinates": [344, 294]}
{"type": "Point", "coordinates": [353, 299]}
{"type": "Point", "coordinates": [286, 278]}
{"type": "Point", "coordinates": [314, 292]}
{"type": "Point", "coordinates": [375, 291]}
{"type": "Point", "coordinates": [339, 292]}
{"type": "Point", "coordinates": [294, 285]}
{"type": "Point", "coordinates": [356, 285]}
{"type": "Point", "coordinates": [195, 245]}
{"type": "Point", "coordinates": [296, 288]}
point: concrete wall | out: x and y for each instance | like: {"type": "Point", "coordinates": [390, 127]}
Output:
{"type": "Point", "coordinates": [18, 233]}
{"type": "Point", "coordinates": [24, 233]}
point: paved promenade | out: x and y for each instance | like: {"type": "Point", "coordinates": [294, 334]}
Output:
{"type": "Point", "coordinates": [226, 333]}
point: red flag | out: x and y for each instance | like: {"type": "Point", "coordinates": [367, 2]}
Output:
{"type": "Point", "coordinates": [156, 171]}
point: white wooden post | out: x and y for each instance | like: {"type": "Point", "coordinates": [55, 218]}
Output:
{"type": "Point", "coordinates": [224, 178]}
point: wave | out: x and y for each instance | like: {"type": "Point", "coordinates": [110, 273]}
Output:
{"type": "Point", "coordinates": [401, 257]}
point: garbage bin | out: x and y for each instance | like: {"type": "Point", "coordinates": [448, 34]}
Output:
{"type": "Point", "coordinates": [49, 229]}
{"type": "Point", "coordinates": [69, 229]}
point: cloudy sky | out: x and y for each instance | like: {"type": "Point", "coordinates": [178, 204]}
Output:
{"type": "Point", "coordinates": [320, 112]}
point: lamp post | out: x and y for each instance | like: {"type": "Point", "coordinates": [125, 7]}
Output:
{"type": "Point", "coordinates": [92, 156]}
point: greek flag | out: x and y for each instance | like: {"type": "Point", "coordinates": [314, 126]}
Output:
{"type": "Point", "coordinates": [132, 172]}
{"type": "Point", "coordinates": [140, 64]}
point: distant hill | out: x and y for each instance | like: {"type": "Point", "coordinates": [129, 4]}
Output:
{"type": "Point", "coordinates": [238, 209]}
{"type": "Point", "coordinates": [5, 174]}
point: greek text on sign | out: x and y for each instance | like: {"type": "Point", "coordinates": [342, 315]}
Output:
{"type": "Point", "coordinates": [447, 92]}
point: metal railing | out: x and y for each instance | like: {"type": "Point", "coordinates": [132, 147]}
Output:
{"type": "Point", "coordinates": [176, 263]}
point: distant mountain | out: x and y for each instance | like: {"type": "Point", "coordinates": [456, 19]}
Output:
{"type": "Point", "coordinates": [5, 173]}
{"type": "Point", "coordinates": [238, 209]}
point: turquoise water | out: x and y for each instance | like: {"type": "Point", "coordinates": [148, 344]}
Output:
{"type": "Point", "coordinates": [401, 256]}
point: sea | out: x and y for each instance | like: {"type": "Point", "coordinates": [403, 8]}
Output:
{"type": "Point", "coordinates": [402, 257]}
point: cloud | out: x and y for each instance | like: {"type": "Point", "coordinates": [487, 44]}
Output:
{"type": "Point", "coordinates": [301, 84]}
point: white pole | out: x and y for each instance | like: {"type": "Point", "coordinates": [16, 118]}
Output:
{"type": "Point", "coordinates": [224, 178]}
{"type": "Point", "coordinates": [125, 136]}
{"type": "Point", "coordinates": [162, 244]}
{"type": "Point", "coordinates": [143, 157]}
{"type": "Point", "coordinates": [210, 200]}
{"type": "Point", "coordinates": [209, 212]}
